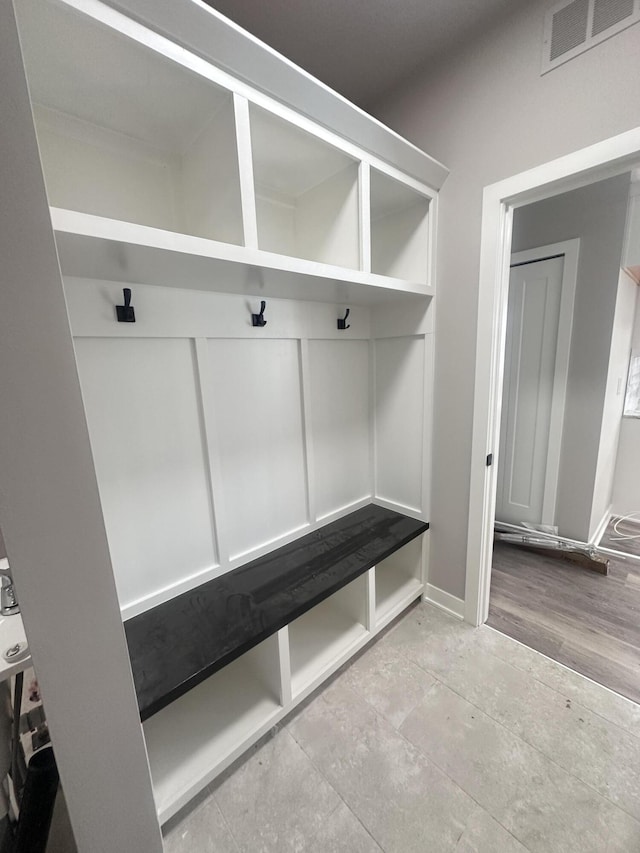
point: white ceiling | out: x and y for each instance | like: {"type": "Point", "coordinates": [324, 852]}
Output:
{"type": "Point", "coordinates": [363, 48]}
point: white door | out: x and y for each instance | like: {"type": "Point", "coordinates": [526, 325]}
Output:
{"type": "Point", "coordinates": [535, 291]}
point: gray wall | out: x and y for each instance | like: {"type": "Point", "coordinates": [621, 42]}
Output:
{"type": "Point", "coordinates": [488, 114]}
{"type": "Point", "coordinates": [597, 215]}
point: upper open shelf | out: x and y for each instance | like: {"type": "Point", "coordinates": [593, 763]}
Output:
{"type": "Point", "coordinates": [306, 193]}
{"type": "Point", "coordinates": [399, 229]}
{"type": "Point", "coordinates": [134, 136]}
{"type": "Point", "coordinates": [148, 155]}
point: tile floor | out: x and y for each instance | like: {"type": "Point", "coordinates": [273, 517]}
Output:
{"type": "Point", "coordinates": [439, 737]}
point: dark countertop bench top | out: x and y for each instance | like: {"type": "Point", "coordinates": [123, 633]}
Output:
{"type": "Point", "coordinates": [177, 644]}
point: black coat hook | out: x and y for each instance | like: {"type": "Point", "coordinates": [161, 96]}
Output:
{"type": "Point", "coordinates": [125, 313]}
{"type": "Point", "coordinates": [342, 321]}
{"type": "Point", "coordinates": [258, 319]}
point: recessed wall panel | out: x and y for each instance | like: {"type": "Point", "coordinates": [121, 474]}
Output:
{"type": "Point", "coordinates": [399, 420]}
{"type": "Point", "coordinates": [256, 413]}
{"type": "Point", "coordinates": [145, 427]}
{"type": "Point", "coordinates": [339, 407]}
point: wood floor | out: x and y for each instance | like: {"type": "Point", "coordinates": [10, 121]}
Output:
{"type": "Point", "coordinates": [622, 534]}
{"type": "Point", "coordinates": [587, 621]}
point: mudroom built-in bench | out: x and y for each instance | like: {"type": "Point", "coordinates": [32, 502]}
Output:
{"type": "Point", "coordinates": [219, 665]}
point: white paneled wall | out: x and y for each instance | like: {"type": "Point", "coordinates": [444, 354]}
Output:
{"type": "Point", "coordinates": [255, 406]}
{"type": "Point", "coordinates": [145, 427]}
{"type": "Point", "coordinates": [400, 421]}
{"type": "Point", "coordinates": [215, 441]}
{"type": "Point", "coordinates": [339, 387]}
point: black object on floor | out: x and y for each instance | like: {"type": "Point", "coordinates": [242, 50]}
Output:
{"type": "Point", "coordinates": [38, 800]}
{"type": "Point", "coordinates": [176, 645]}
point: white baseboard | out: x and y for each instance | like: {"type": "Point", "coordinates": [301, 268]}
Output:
{"type": "Point", "coordinates": [444, 600]}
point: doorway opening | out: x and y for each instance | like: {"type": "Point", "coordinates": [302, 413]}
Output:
{"type": "Point", "coordinates": [550, 477]}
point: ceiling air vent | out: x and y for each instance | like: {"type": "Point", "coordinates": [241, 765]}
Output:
{"type": "Point", "coordinates": [575, 26]}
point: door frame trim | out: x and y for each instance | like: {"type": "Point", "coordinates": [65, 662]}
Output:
{"type": "Point", "coordinates": [604, 159]}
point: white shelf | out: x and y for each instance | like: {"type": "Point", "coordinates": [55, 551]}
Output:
{"type": "Point", "coordinates": [136, 136]}
{"type": "Point", "coordinates": [398, 581]}
{"type": "Point", "coordinates": [110, 250]}
{"type": "Point", "coordinates": [194, 737]}
{"type": "Point", "coordinates": [325, 634]}
{"type": "Point", "coordinates": [306, 193]}
{"type": "Point", "coordinates": [399, 229]}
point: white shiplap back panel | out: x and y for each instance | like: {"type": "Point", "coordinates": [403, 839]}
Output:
{"type": "Point", "coordinates": [399, 421]}
{"type": "Point", "coordinates": [256, 413]}
{"type": "Point", "coordinates": [145, 426]}
{"type": "Point", "coordinates": [339, 414]}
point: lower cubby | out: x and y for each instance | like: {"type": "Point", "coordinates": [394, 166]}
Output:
{"type": "Point", "coordinates": [326, 634]}
{"type": "Point", "coordinates": [398, 580]}
{"type": "Point", "coordinates": [194, 738]}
